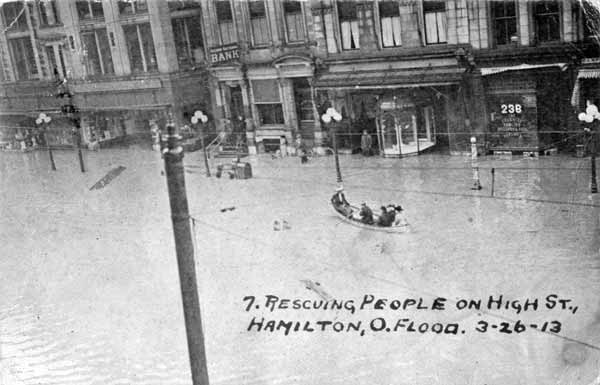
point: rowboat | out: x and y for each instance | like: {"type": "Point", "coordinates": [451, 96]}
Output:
{"type": "Point", "coordinates": [355, 222]}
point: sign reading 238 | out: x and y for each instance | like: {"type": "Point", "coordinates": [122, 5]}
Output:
{"type": "Point", "coordinates": [511, 108]}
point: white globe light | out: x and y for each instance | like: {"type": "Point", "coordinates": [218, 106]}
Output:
{"type": "Point", "coordinates": [589, 118]}
{"type": "Point", "coordinates": [326, 118]}
{"type": "Point", "coordinates": [194, 119]}
{"type": "Point", "coordinates": [47, 119]}
{"type": "Point", "coordinates": [38, 121]}
{"type": "Point", "coordinates": [204, 118]}
{"type": "Point", "coordinates": [591, 110]}
{"type": "Point", "coordinates": [330, 111]}
{"type": "Point", "coordinates": [473, 139]}
{"type": "Point", "coordinates": [581, 116]}
{"type": "Point", "coordinates": [42, 115]}
{"type": "Point", "coordinates": [337, 117]}
{"type": "Point", "coordinates": [198, 114]}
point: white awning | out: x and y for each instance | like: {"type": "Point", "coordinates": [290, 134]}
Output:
{"type": "Point", "coordinates": [584, 73]}
{"type": "Point", "coordinates": [496, 70]}
{"type": "Point", "coordinates": [588, 73]}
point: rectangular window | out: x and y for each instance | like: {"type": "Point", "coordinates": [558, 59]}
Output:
{"type": "Point", "coordinates": [435, 21]}
{"type": "Point", "coordinates": [259, 23]}
{"type": "Point", "coordinates": [188, 40]}
{"type": "Point", "coordinates": [546, 15]}
{"type": "Point", "coordinates": [268, 101]}
{"type": "Point", "coordinates": [391, 31]}
{"type": "Point", "coordinates": [180, 5]}
{"type": "Point", "coordinates": [140, 46]}
{"type": "Point", "coordinates": [294, 21]}
{"type": "Point", "coordinates": [21, 52]}
{"type": "Point", "coordinates": [349, 28]}
{"type": "Point", "coordinates": [132, 7]}
{"type": "Point", "coordinates": [225, 22]}
{"type": "Point", "coordinates": [48, 13]}
{"type": "Point", "coordinates": [87, 10]}
{"type": "Point", "coordinates": [14, 14]}
{"type": "Point", "coordinates": [504, 14]}
{"type": "Point", "coordinates": [97, 51]}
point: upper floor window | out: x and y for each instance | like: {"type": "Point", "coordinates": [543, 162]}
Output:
{"type": "Point", "coordinates": [267, 100]}
{"type": "Point", "coordinates": [585, 16]}
{"type": "Point", "coordinates": [259, 23]}
{"type": "Point", "coordinates": [140, 47]}
{"type": "Point", "coordinates": [391, 31]}
{"type": "Point", "coordinates": [48, 13]}
{"type": "Point", "coordinates": [179, 5]}
{"type": "Point", "coordinates": [294, 20]}
{"type": "Point", "coordinates": [89, 9]}
{"type": "Point", "coordinates": [132, 7]}
{"type": "Point", "coordinates": [225, 22]}
{"type": "Point", "coordinates": [21, 51]}
{"type": "Point", "coordinates": [546, 16]}
{"type": "Point", "coordinates": [97, 52]}
{"type": "Point", "coordinates": [349, 28]}
{"type": "Point", "coordinates": [14, 15]}
{"type": "Point", "coordinates": [188, 40]}
{"type": "Point", "coordinates": [504, 16]}
{"type": "Point", "coordinates": [435, 21]}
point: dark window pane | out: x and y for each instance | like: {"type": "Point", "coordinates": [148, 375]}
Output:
{"type": "Point", "coordinates": [270, 114]}
{"type": "Point", "coordinates": [23, 59]}
{"type": "Point", "coordinates": [177, 5]}
{"type": "Point", "coordinates": [104, 50]}
{"type": "Point", "coordinates": [292, 7]}
{"type": "Point", "coordinates": [97, 10]}
{"type": "Point", "coordinates": [257, 9]}
{"type": "Point", "coordinates": [347, 10]}
{"type": "Point", "coordinates": [266, 91]}
{"type": "Point", "coordinates": [133, 48]}
{"type": "Point", "coordinates": [389, 9]}
{"type": "Point", "coordinates": [224, 11]}
{"type": "Point", "coordinates": [91, 53]}
{"type": "Point", "coordinates": [434, 6]}
{"type": "Point", "coordinates": [148, 46]}
{"type": "Point", "coordinates": [13, 12]}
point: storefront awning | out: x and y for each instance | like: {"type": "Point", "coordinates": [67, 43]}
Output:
{"type": "Point", "coordinates": [584, 73]}
{"type": "Point", "coordinates": [496, 70]}
{"type": "Point", "coordinates": [399, 78]}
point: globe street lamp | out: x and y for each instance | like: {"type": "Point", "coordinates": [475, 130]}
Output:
{"type": "Point", "coordinates": [199, 117]}
{"type": "Point", "coordinates": [332, 115]}
{"type": "Point", "coordinates": [591, 113]}
{"type": "Point", "coordinates": [43, 120]}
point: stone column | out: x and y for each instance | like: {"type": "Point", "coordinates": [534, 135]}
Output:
{"type": "Point", "coordinates": [162, 34]}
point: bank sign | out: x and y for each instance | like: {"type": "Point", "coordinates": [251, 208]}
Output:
{"type": "Point", "coordinates": [224, 53]}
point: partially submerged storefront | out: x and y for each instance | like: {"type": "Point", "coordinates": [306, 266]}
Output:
{"type": "Point", "coordinates": [527, 105]}
{"type": "Point", "coordinates": [404, 110]}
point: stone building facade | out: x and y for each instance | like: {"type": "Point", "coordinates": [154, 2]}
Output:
{"type": "Point", "coordinates": [128, 64]}
{"type": "Point", "coordinates": [414, 74]}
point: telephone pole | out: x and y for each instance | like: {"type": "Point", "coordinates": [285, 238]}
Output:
{"type": "Point", "coordinates": [184, 249]}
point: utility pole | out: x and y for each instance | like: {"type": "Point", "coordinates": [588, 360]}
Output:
{"type": "Point", "coordinates": [184, 248]}
{"type": "Point", "coordinates": [72, 113]}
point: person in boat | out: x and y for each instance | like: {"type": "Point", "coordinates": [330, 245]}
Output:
{"type": "Point", "coordinates": [366, 214]}
{"type": "Point", "coordinates": [385, 218]}
{"type": "Point", "coordinates": [340, 203]}
{"type": "Point", "coordinates": [399, 219]}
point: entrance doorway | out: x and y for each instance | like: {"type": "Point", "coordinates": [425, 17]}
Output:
{"type": "Point", "coordinates": [405, 128]}
{"type": "Point", "coordinates": [237, 135]}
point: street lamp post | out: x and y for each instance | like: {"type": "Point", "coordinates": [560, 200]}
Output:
{"type": "Point", "coordinates": [332, 115]}
{"type": "Point", "coordinates": [199, 117]}
{"type": "Point", "coordinates": [591, 113]}
{"type": "Point", "coordinates": [44, 120]}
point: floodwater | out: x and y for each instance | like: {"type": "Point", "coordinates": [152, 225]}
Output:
{"type": "Point", "coordinates": [90, 291]}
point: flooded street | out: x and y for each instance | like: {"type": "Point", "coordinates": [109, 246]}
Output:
{"type": "Point", "coordinates": [90, 291]}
